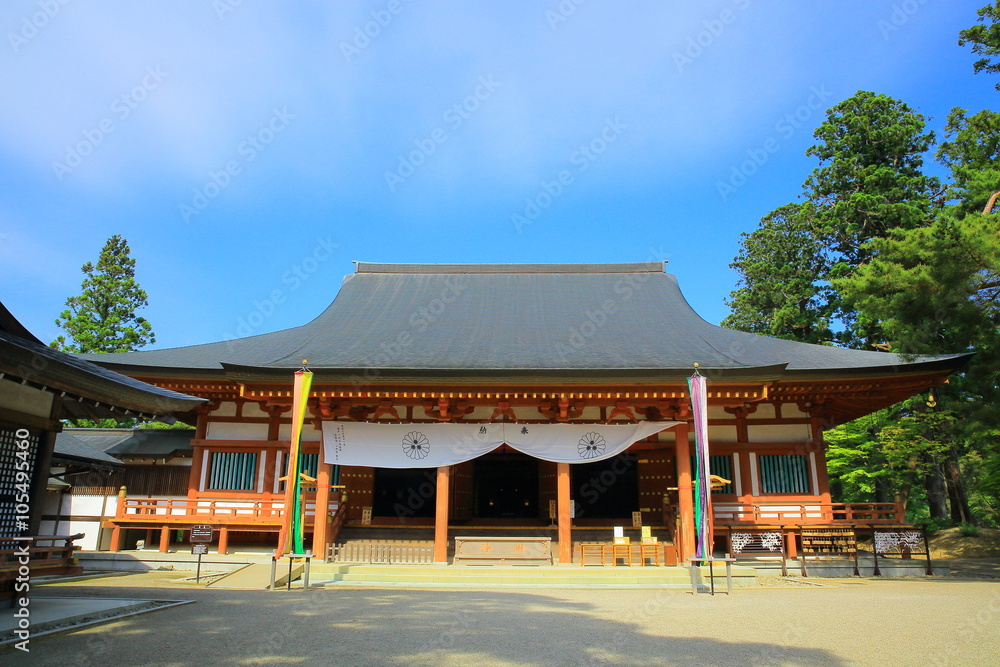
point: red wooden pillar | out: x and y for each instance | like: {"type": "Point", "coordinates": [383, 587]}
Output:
{"type": "Point", "coordinates": [223, 540]}
{"type": "Point", "coordinates": [164, 539]}
{"type": "Point", "coordinates": [116, 538]}
{"type": "Point", "coordinates": [194, 478]}
{"type": "Point", "coordinates": [321, 517]}
{"type": "Point", "coordinates": [441, 514]}
{"type": "Point", "coordinates": [685, 499]}
{"type": "Point", "coordinates": [563, 513]}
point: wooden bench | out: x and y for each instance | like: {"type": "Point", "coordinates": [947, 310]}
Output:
{"type": "Point", "coordinates": [42, 560]}
{"type": "Point", "coordinates": [636, 553]}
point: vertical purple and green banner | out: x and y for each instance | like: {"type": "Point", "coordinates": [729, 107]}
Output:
{"type": "Point", "coordinates": [703, 483]}
{"type": "Point", "coordinates": [292, 537]}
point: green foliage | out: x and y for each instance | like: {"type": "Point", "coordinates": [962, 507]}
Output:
{"type": "Point", "coordinates": [869, 180]}
{"type": "Point", "coordinates": [176, 426]}
{"type": "Point", "coordinates": [936, 525]}
{"type": "Point", "coordinates": [984, 39]}
{"type": "Point", "coordinates": [103, 318]}
{"type": "Point", "coordinates": [971, 151]}
{"type": "Point", "coordinates": [968, 530]}
{"type": "Point", "coordinates": [883, 255]}
{"type": "Point", "coordinates": [781, 264]}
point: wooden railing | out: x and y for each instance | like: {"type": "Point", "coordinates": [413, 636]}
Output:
{"type": "Point", "coordinates": [795, 513]}
{"type": "Point", "coordinates": [195, 510]}
{"type": "Point", "coordinates": [337, 521]}
{"type": "Point", "coordinates": [367, 552]}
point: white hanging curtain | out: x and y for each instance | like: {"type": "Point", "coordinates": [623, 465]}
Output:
{"type": "Point", "coordinates": [435, 445]}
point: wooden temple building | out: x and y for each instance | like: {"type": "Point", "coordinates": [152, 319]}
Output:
{"type": "Point", "coordinates": [39, 388]}
{"type": "Point", "coordinates": [522, 346]}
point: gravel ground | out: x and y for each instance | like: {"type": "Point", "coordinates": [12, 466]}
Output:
{"type": "Point", "coordinates": [843, 622]}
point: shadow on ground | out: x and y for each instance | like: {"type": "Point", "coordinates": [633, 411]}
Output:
{"type": "Point", "coordinates": [411, 627]}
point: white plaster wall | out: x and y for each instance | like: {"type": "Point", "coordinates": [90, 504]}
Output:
{"type": "Point", "coordinates": [791, 410]}
{"type": "Point", "coordinates": [722, 434]}
{"type": "Point", "coordinates": [763, 411]}
{"type": "Point", "coordinates": [481, 412]}
{"type": "Point", "coordinates": [309, 433]}
{"type": "Point", "coordinates": [226, 409]}
{"type": "Point", "coordinates": [236, 431]}
{"type": "Point", "coordinates": [779, 433]}
{"type": "Point", "coordinates": [718, 412]}
{"type": "Point", "coordinates": [253, 409]}
{"type": "Point", "coordinates": [74, 505]}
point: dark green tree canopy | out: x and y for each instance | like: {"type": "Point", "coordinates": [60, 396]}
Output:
{"type": "Point", "coordinates": [780, 265]}
{"type": "Point", "coordinates": [103, 318]}
{"type": "Point", "coordinates": [972, 154]}
{"type": "Point", "coordinates": [985, 39]}
{"type": "Point", "coordinates": [869, 178]}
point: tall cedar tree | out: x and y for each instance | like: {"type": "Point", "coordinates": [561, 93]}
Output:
{"type": "Point", "coordinates": [868, 182]}
{"type": "Point", "coordinates": [103, 318]}
{"type": "Point", "coordinates": [778, 293]}
{"type": "Point", "coordinates": [936, 289]}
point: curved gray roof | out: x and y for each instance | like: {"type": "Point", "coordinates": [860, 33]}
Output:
{"type": "Point", "coordinates": [543, 321]}
{"type": "Point", "coordinates": [87, 391]}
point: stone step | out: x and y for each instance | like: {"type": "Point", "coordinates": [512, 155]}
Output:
{"type": "Point", "coordinates": [550, 576]}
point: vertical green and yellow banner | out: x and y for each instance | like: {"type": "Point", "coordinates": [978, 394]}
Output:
{"type": "Point", "coordinates": [292, 538]}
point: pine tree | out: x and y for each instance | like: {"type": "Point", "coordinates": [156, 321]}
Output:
{"type": "Point", "coordinates": [781, 265]}
{"type": "Point", "coordinates": [985, 39]}
{"type": "Point", "coordinates": [103, 318]}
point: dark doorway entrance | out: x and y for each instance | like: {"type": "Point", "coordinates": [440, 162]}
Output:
{"type": "Point", "coordinates": [506, 487]}
{"type": "Point", "coordinates": [607, 489]}
{"type": "Point", "coordinates": [404, 493]}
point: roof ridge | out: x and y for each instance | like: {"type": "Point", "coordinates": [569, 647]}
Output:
{"type": "Point", "coordinates": [620, 267]}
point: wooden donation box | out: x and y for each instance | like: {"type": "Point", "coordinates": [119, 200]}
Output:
{"type": "Point", "coordinates": [503, 549]}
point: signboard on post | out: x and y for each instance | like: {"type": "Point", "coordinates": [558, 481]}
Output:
{"type": "Point", "coordinates": [199, 548]}
{"type": "Point", "coordinates": [201, 533]}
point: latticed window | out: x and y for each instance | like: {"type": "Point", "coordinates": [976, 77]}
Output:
{"type": "Point", "coordinates": [721, 465]}
{"type": "Point", "coordinates": [784, 473]}
{"type": "Point", "coordinates": [16, 445]}
{"type": "Point", "coordinates": [233, 471]}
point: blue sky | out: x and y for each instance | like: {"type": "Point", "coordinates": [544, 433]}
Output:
{"type": "Point", "coordinates": [249, 151]}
